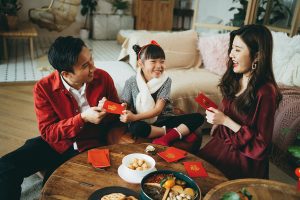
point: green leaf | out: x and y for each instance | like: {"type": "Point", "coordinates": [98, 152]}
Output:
{"type": "Point", "coordinates": [295, 151]}
{"type": "Point", "coordinates": [246, 193]}
{"type": "Point", "coordinates": [231, 196]}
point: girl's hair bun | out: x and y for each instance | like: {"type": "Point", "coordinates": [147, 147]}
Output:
{"type": "Point", "coordinates": [136, 48]}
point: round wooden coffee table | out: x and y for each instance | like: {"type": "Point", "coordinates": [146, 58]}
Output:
{"type": "Point", "coordinates": [77, 179]}
{"type": "Point", "coordinates": [259, 189]}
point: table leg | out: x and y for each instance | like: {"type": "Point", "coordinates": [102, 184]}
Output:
{"type": "Point", "coordinates": [31, 47]}
{"type": "Point", "coordinates": [5, 49]}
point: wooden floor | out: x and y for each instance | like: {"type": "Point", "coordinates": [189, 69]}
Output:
{"type": "Point", "coordinates": [17, 116]}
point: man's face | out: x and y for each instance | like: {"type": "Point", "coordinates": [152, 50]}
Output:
{"type": "Point", "coordinates": [83, 69]}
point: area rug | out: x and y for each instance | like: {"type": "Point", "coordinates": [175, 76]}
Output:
{"type": "Point", "coordinates": [31, 188]}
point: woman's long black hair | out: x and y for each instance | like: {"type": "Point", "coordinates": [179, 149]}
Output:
{"type": "Point", "coordinates": [260, 44]}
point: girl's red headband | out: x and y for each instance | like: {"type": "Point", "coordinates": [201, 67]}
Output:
{"type": "Point", "coordinates": [153, 42]}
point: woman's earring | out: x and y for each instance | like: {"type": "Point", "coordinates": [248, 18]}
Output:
{"type": "Point", "coordinates": [254, 65]}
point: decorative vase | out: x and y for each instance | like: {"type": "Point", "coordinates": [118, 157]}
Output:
{"type": "Point", "coordinates": [84, 34]}
{"type": "Point", "coordinates": [119, 12]}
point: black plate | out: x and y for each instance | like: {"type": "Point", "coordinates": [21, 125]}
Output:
{"type": "Point", "coordinates": [114, 189]}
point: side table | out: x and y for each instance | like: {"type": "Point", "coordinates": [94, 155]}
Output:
{"type": "Point", "coordinates": [24, 31]}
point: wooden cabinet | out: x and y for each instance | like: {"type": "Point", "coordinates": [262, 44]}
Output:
{"type": "Point", "coordinates": [153, 14]}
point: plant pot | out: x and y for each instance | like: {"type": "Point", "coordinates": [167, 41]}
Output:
{"type": "Point", "coordinates": [12, 22]}
{"type": "Point", "coordinates": [120, 12]}
{"type": "Point", "coordinates": [84, 34]}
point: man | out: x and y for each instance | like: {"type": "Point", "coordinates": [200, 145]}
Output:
{"type": "Point", "coordinates": [69, 118]}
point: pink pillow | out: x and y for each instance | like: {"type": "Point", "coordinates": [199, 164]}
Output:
{"type": "Point", "coordinates": [213, 50]}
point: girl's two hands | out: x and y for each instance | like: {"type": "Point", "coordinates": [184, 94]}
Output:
{"type": "Point", "coordinates": [215, 116]}
{"type": "Point", "coordinates": [127, 116]}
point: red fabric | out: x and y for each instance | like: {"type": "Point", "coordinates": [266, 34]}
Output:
{"type": "Point", "coordinates": [58, 114]}
{"type": "Point", "coordinates": [245, 153]}
{"type": "Point", "coordinates": [169, 137]}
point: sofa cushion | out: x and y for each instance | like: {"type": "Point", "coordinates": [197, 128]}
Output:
{"type": "Point", "coordinates": [214, 50]}
{"type": "Point", "coordinates": [180, 48]}
{"type": "Point", "coordinates": [186, 85]}
{"type": "Point", "coordinates": [287, 118]}
{"type": "Point", "coordinates": [286, 59]}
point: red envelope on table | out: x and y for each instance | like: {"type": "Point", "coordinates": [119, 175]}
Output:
{"type": "Point", "coordinates": [99, 158]}
{"type": "Point", "coordinates": [205, 102]}
{"type": "Point", "coordinates": [113, 107]}
{"type": "Point", "coordinates": [172, 154]}
{"type": "Point", "coordinates": [195, 169]}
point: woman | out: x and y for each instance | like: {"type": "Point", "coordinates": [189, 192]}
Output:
{"type": "Point", "coordinates": [243, 127]}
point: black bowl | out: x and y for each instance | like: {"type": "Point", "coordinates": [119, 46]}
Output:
{"type": "Point", "coordinates": [190, 182]}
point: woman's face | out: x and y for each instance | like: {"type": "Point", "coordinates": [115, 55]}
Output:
{"type": "Point", "coordinates": [153, 68]}
{"type": "Point", "coordinates": [240, 56]}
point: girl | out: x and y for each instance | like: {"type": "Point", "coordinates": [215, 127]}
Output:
{"type": "Point", "coordinates": [149, 111]}
{"type": "Point", "coordinates": [243, 128]}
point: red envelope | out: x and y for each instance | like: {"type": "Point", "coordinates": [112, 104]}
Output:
{"type": "Point", "coordinates": [195, 169]}
{"type": "Point", "coordinates": [172, 154]}
{"type": "Point", "coordinates": [113, 107]}
{"type": "Point", "coordinates": [99, 158]}
{"type": "Point", "coordinates": [205, 102]}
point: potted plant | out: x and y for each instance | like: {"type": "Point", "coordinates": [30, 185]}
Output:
{"type": "Point", "coordinates": [8, 13]}
{"type": "Point", "coordinates": [88, 8]}
{"type": "Point", "coordinates": [119, 6]}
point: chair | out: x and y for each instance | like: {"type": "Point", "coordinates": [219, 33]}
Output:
{"type": "Point", "coordinates": [57, 16]}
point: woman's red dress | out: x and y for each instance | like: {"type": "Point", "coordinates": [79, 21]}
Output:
{"type": "Point", "coordinates": [244, 154]}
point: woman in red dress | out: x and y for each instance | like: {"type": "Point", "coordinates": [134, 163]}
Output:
{"type": "Point", "coordinates": [243, 126]}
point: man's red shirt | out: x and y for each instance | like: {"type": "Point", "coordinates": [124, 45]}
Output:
{"type": "Point", "coordinates": [58, 114]}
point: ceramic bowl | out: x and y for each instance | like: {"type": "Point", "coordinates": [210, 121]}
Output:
{"type": "Point", "coordinates": [129, 159]}
{"type": "Point", "coordinates": [190, 183]}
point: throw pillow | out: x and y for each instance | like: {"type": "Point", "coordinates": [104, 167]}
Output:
{"type": "Point", "coordinates": [180, 48]}
{"type": "Point", "coordinates": [286, 62]}
{"type": "Point", "coordinates": [214, 50]}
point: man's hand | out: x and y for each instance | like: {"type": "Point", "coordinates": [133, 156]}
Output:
{"type": "Point", "coordinates": [93, 115]}
{"type": "Point", "coordinates": [127, 116]}
{"type": "Point", "coordinates": [101, 102]}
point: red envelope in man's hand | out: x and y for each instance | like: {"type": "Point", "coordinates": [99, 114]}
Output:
{"type": "Point", "coordinates": [99, 158]}
{"type": "Point", "coordinates": [113, 107]}
{"type": "Point", "coordinates": [195, 169]}
{"type": "Point", "coordinates": [172, 154]}
{"type": "Point", "coordinates": [205, 102]}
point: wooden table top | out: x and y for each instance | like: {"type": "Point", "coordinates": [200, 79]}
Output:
{"type": "Point", "coordinates": [24, 30]}
{"type": "Point", "coordinates": [77, 179]}
{"type": "Point", "coordinates": [259, 189]}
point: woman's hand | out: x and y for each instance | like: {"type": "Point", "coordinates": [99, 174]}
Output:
{"type": "Point", "coordinates": [101, 103]}
{"type": "Point", "coordinates": [215, 116]}
{"type": "Point", "coordinates": [127, 116]}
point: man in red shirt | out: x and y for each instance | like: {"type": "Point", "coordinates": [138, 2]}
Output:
{"type": "Point", "coordinates": [68, 104]}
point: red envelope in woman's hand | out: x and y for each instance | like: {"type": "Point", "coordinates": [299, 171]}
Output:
{"type": "Point", "coordinates": [113, 107]}
{"type": "Point", "coordinates": [205, 102]}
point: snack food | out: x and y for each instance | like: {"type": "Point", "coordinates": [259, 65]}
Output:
{"type": "Point", "coordinates": [138, 164]}
{"type": "Point", "coordinates": [113, 196]}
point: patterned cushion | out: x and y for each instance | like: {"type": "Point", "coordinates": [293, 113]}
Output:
{"type": "Point", "coordinates": [287, 118]}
